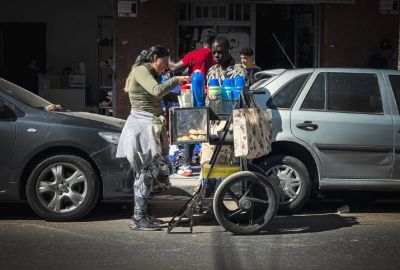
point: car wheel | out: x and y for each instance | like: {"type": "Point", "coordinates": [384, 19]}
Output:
{"type": "Point", "coordinates": [294, 180]}
{"type": "Point", "coordinates": [62, 188]}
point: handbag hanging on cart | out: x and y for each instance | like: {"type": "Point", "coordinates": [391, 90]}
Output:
{"type": "Point", "coordinates": [251, 132]}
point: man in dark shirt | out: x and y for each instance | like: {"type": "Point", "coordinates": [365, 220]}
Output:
{"type": "Point", "coordinates": [246, 59]}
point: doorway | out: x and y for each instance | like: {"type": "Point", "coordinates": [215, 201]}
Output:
{"type": "Point", "coordinates": [296, 28]}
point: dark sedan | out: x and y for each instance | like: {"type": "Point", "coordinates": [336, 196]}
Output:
{"type": "Point", "coordinates": [62, 162]}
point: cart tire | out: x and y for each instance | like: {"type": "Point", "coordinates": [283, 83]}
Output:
{"type": "Point", "coordinates": [245, 203]}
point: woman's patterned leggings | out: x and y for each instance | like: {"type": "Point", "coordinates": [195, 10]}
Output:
{"type": "Point", "coordinates": [142, 187]}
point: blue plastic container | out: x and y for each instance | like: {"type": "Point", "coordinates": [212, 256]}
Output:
{"type": "Point", "coordinates": [240, 82]}
{"type": "Point", "coordinates": [213, 82]}
{"type": "Point", "coordinates": [199, 97]}
{"type": "Point", "coordinates": [227, 88]}
{"type": "Point", "coordinates": [227, 82]}
{"type": "Point", "coordinates": [235, 93]}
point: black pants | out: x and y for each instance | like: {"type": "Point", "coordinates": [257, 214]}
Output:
{"type": "Point", "coordinates": [189, 148]}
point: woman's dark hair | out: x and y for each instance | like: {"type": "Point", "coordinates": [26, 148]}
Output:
{"type": "Point", "coordinates": [148, 56]}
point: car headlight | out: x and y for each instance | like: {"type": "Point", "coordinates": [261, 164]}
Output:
{"type": "Point", "coordinates": [111, 137]}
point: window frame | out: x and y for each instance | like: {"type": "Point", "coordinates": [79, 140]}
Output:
{"type": "Point", "coordinates": [325, 74]}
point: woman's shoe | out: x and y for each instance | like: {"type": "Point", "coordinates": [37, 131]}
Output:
{"type": "Point", "coordinates": [144, 224]}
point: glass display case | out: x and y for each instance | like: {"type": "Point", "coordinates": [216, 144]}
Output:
{"type": "Point", "coordinates": [188, 125]}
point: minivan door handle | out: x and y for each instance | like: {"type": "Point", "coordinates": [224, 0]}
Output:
{"type": "Point", "coordinates": [307, 125]}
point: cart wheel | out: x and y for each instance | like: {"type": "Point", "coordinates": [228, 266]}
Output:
{"type": "Point", "coordinates": [245, 203]}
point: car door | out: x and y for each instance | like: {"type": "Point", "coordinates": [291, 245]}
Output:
{"type": "Point", "coordinates": [344, 115]}
{"type": "Point", "coordinates": [7, 143]}
{"type": "Point", "coordinates": [392, 80]}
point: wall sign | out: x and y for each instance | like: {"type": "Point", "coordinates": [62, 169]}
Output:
{"type": "Point", "coordinates": [389, 7]}
{"type": "Point", "coordinates": [127, 8]}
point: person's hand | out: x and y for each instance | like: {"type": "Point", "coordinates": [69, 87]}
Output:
{"type": "Point", "coordinates": [183, 79]}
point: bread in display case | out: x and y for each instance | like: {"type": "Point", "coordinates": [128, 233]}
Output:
{"type": "Point", "coordinates": [188, 125]}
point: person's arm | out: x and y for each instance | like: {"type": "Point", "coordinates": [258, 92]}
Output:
{"type": "Point", "coordinates": [147, 81]}
{"type": "Point", "coordinates": [176, 67]}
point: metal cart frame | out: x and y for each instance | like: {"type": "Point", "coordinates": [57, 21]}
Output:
{"type": "Point", "coordinates": [253, 197]}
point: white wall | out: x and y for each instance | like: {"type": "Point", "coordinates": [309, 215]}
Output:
{"type": "Point", "coordinates": [71, 29]}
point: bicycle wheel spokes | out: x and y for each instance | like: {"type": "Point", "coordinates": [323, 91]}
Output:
{"type": "Point", "coordinates": [256, 200]}
{"type": "Point", "coordinates": [245, 203]}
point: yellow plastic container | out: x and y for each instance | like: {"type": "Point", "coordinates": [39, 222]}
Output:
{"type": "Point", "coordinates": [219, 170]}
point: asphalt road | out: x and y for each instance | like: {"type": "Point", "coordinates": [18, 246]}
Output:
{"type": "Point", "coordinates": [317, 238]}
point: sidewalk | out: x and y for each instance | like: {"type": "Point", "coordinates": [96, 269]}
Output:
{"type": "Point", "coordinates": [187, 183]}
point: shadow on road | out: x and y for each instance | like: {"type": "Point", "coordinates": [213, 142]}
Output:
{"type": "Point", "coordinates": [310, 223]}
{"type": "Point", "coordinates": [316, 216]}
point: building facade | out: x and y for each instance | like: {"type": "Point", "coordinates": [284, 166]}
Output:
{"type": "Point", "coordinates": [303, 33]}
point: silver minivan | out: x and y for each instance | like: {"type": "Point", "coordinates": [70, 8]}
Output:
{"type": "Point", "coordinates": [333, 129]}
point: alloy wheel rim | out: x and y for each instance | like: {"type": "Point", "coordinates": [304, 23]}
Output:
{"type": "Point", "coordinates": [289, 181]}
{"type": "Point", "coordinates": [61, 188]}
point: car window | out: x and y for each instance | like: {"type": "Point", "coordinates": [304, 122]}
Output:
{"type": "Point", "coordinates": [345, 92]}
{"type": "Point", "coordinates": [286, 95]}
{"type": "Point", "coordinates": [315, 99]}
{"type": "Point", "coordinates": [353, 92]}
{"type": "Point", "coordinates": [23, 95]}
{"type": "Point", "coordinates": [395, 83]}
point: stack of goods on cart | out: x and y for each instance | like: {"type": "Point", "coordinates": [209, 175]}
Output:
{"type": "Point", "coordinates": [223, 97]}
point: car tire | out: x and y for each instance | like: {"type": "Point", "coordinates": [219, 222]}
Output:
{"type": "Point", "coordinates": [295, 193]}
{"type": "Point", "coordinates": [62, 188]}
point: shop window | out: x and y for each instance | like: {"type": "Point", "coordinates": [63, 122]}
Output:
{"type": "Point", "coordinates": [246, 12]}
{"type": "Point", "coordinates": [185, 12]}
{"type": "Point", "coordinates": [214, 11]}
{"type": "Point", "coordinates": [238, 12]}
{"type": "Point", "coordinates": [222, 12]}
{"type": "Point", "coordinates": [205, 12]}
{"type": "Point", "coordinates": [201, 12]}
{"type": "Point", "coordinates": [218, 12]}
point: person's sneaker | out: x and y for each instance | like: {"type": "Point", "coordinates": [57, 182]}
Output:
{"type": "Point", "coordinates": [185, 171]}
{"type": "Point", "coordinates": [156, 221]}
{"type": "Point", "coordinates": [144, 224]}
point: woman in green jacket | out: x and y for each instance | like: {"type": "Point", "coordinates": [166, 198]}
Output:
{"type": "Point", "coordinates": [144, 139]}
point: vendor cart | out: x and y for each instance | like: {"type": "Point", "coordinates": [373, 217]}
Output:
{"type": "Point", "coordinates": [242, 198]}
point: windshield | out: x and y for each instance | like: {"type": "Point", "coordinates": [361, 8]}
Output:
{"type": "Point", "coordinates": [22, 94]}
